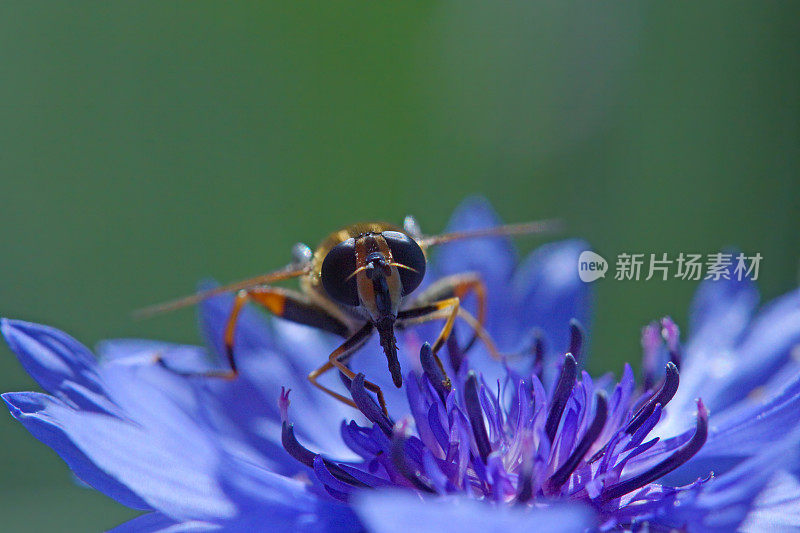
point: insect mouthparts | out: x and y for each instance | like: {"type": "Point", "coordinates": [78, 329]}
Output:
{"type": "Point", "coordinates": [376, 264]}
{"type": "Point", "coordinates": [385, 329]}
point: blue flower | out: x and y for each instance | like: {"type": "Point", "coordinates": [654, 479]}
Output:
{"type": "Point", "coordinates": [530, 440]}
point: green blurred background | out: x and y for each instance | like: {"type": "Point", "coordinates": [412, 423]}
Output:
{"type": "Point", "coordinates": [144, 146]}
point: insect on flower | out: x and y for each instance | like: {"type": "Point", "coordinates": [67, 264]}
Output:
{"type": "Point", "coordinates": [359, 280]}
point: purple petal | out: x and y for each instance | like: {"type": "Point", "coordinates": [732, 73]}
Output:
{"type": "Point", "coordinates": [380, 511]}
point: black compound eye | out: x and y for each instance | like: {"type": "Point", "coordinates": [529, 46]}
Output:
{"type": "Point", "coordinates": [406, 252]}
{"type": "Point", "coordinates": [338, 265]}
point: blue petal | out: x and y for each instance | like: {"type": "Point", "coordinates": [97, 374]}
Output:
{"type": "Point", "coordinates": [734, 440]}
{"type": "Point", "coordinates": [316, 415]}
{"type": "Point", "coordinates": [238, 410]}
{"type": "Point", "coordinates": [767, 346]}
{"type": "Point", "coordinates": [777, 507]}
{"type": "Point", "coordinates": [59, 363]}
{"type": "Point", "coordinates": [283, 504]}
{"type": "Point", "coordinates": [163, 457]}
{"type": "Point", "coordinates": [143, 352]}
{"type": "Point", "coordinates": [297, 348]}
{"type": "Point", "coordinates": [381, 511]}
{"type": "Point", "coordinates": [243, 409]}
{"type": "Point", "coordinates": [727, 500]}
{"type": "Point", "coordinates": [371, 361]}
{"type": "Point", "coordinates": [720, 312]}
{"type": "Point", "coordinates": [549, 294]}
{"type": "Point", "coordinates": [272, 354]}
{"type": "Point", "coordinates": [25, 407]}
{"type": "Point", "coordinates": [493, 258]}
{"type": "Point", "coordinates": [129, 367]}
{"type": "Point", "coordinates": [724, 375]}
{"type": "Point", "coordinates": [742, 438]}
{"type": "Point", "coordinates": [159, 523]}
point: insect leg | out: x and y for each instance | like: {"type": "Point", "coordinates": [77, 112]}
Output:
{"type": "Point", "coordinates": [458, 285]}
{"type": "Point", "coordinates": [338, 359]}
{"type": "Point", "coordinates": [284, 303]}
{"type": "Point", "coordinates": [230, 328]}
{"type": "Point", "coordinates": [448, 309]}
{"type": "Point", "coordinates": [480, 333]}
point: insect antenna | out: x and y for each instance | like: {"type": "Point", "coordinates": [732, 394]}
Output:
{"type": "Point", "coordinates": [540, 226]}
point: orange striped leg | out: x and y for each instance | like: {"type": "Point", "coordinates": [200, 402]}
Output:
{"type": "Point", "coordinates": [448, 309]}
{"type": "Point", "coordinates": [338, 359]}
{"type": "Point", "coordinates": [460, 286]}
{"type": "Point", "coordinates": [284, 303]}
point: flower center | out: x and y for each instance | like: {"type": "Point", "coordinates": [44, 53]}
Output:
{"type": "Point", "coordinates": [519, 446]}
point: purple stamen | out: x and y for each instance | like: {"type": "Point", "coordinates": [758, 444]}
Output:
{"type": "Point", "coordinates": [454, 352]}
{"type": "Point", "coordinates": [566, 380]}
{"type": "Point", "coordinates": [368, 406]}
{"type": "Point", "coordinates": [400, 459]}
{"type": "Point", "coordinates": [308, 458]}
{"type": "Point", "coordinates": [327, 477]}
{"type": "Point", "coordinates": [452, 345]}
{"type": "Point", "coordinates": [651, 348]}
{"type": "Point", "coordinates": [525, 477]}
{"type": "Point", "coordinates": [538, 354]}
{"type": "Point", "coordinates": [525, 490]}
{"type": "Point", "coordinates": [475, 414]}
{"type": "Point", "coordinates": [664, 395]}
{"type": "Point", "coordinates": [562, 474]}
{"type": "Point", "coordinates": [345, 380]}
{"type": "Point", "coordinates": [431, 369]}
{"type": "Point", "coordinates": [575, 338]}
{"type": "Point", "coordinates": [295, 449]}
{"type": "Point", "coordinates": [283, 404]}
{"type": "Point", "coordinates": [681, 455]}
{"type": "Point", "coordinates": [671, 335]}
{"type": "Point", "coordinates": [521, 447]}
{"type": "Point", "coordinates": [638, 436]}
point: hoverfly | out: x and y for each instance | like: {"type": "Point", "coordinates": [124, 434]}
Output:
{"type": "Point", "coordinates": [359, 281]}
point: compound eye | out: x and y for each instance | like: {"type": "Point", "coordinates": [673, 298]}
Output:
{"type": "Point", "coordinates": [406, 252]}
{"type": "Point", "coordinates": [337, 267]}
